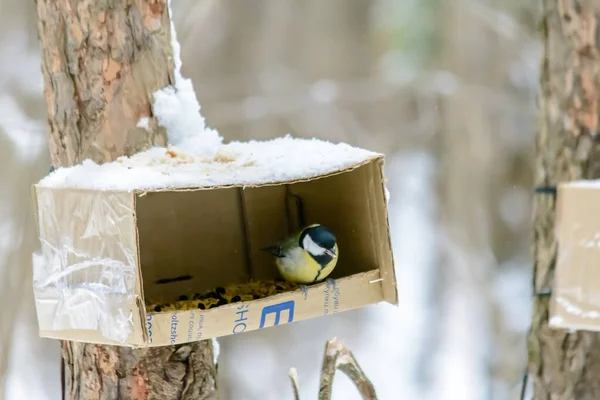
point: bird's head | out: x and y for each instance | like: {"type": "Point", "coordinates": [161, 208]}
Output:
{"type": "Point", "coordinates": [320, 243]}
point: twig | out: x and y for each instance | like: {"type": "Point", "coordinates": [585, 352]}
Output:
{"type": "Point", "coordinates": [293, 374]}
{"type": "Point", "coordinates": [332, 351]}
{"type": "Point", "coordinates": [524, 384]}
{"type": "Point", "coordinates": [338, 357]}
{"type": "Point", "coordinates": [348, 365]}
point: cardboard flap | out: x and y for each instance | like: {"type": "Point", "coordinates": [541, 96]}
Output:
{"type": "Point", "coordinates": [380, 220]}
{"type": "Point", "coordinates": [575, 298]}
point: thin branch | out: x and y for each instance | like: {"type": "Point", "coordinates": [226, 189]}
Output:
{"type": "Point", "coordinates": [293, 374]}
{"type": "Point", "coordinates": [348, 365]}
{"type": "Point", "coordinates": [338, 357]}
{"type": "Point", "coordinates": [332, 351]}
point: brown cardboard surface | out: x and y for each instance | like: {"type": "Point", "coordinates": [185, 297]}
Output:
{"type": "Point", "coordinates": [575, 300]}
{"type": "Point", "coordinates": [215, 237]}
{"type": "Point", "coordinates": [342, 204]}
{"type": "Point", "coordinates": [266, 223]}
{"type": "Point", "coordinates": [189, 240]}
{"type": "Point", "coordinates": [323, 299]}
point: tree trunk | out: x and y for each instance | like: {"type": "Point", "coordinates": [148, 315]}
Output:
{"type": "Point", "coordinates": [102, 60]}
{"type": "Point", "coordinates": [564, 365]}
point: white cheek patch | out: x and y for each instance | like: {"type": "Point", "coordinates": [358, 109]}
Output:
{"type": "Point", "coordinates": [310, 246]}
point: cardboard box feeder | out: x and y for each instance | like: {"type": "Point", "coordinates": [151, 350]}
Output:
{"type": "Point", "coordinates": [104, 252]}
{"type": "Point", "coordinates": [575, 298]}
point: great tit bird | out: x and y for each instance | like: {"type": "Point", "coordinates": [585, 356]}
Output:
{"type": "Point", "coordinates": [308, 256]}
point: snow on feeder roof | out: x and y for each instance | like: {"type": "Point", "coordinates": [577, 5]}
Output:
{"type": "Point", "coordinates": [237, 163]}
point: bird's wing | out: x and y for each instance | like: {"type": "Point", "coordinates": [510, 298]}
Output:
{"type": "Point", "coordinates": [291, 242]}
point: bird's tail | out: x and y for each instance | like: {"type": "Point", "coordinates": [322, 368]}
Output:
{"type": "Point", "coordinates": [275, 250]}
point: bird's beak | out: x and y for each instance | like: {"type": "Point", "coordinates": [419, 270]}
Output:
{"type": "Point", "coordinates": [330, 252]}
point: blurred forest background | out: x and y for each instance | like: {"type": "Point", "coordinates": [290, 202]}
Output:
{"type": "Point", "coordinates": [446, 89]}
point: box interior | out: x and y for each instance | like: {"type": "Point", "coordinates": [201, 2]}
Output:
{"type": "Point", "coordinates": [194, 240]}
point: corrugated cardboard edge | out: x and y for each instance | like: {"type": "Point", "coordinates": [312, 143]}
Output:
{"type": "Point", "coordinates": [78, 189]}
{"type": "Point", "coordinates": [387, 267]}
{"type": "Point", "coordinates": [139, 282]}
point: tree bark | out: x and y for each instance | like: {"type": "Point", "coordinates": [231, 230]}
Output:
{"type": "Point", "coordinates": [564, 365]}
{"type": "Point", "coordinates": [102, 60]}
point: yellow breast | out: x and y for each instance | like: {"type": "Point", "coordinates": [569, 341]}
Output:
{"type": "Point", "coordinates": [300, 267]}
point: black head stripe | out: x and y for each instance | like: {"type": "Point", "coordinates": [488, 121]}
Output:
{"type": "Point", "coordinates": [319, 274]}
{"type": "Point", "coordinates": [320, 235]}
{"type": "Point", "coordinates": [323, 238]}
{"type": "Point", "coordinates": [322, 259]}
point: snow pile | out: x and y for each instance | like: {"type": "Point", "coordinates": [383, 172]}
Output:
{"type": "Point", "coordinates": [235, 163]}
{"type": "Point", "coordinates": [177, 109]}
{"type": "Point", "coordinates": [144, 122]}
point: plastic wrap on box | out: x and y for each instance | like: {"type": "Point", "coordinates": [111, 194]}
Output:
{"type": "Point", "coordinates": [85, 274]}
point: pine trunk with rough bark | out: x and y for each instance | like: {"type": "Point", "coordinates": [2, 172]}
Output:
{"type": "Point", "coordinates": [102, 60]}
{"type": "Point", "coordinates": [564, 365]}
